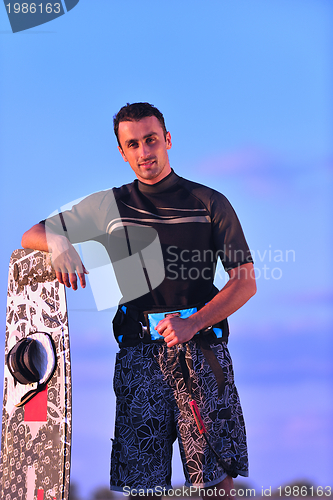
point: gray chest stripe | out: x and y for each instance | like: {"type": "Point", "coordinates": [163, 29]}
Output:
{"type": "Point", "coordinates": [116, 223]}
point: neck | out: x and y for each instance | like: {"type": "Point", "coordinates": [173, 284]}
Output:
{"type": "Point", "coordinates": [165, 172]}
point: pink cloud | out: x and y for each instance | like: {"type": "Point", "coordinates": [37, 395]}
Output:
{"type": "Point", "coordinates": [245, 160]}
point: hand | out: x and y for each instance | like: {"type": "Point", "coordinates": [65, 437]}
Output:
{"type": "Point", "coordinates": [176, 330]}
{"type": "Point", "coordinates": [67, 263]}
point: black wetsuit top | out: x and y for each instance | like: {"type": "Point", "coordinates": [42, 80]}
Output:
{"type": "Point", "coordinates": [195, 224]}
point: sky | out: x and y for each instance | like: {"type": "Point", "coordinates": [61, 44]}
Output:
{"type": "Point", "coordinates": [246, 91]}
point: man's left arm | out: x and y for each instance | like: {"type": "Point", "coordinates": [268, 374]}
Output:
{"type": "Point", "coordinates": [240, 287]}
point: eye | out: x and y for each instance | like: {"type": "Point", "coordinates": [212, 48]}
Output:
{"type": "Point", "coordinates": [132, 144]}
{"type": "Point", "coordinates": [150, 140]}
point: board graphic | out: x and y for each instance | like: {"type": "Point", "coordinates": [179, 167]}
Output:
{"type": "Point", "coordinates": [36, 416]}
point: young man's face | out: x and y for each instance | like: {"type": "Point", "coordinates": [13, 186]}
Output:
{"type": "Point", "coordinates": [144, 147]}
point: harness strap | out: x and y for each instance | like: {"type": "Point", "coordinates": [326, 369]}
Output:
{"type": "Point", "coordinates": [185, 372]}
{"type": "Point", "coordinates": [219, 375]}
{"type": "Point", "coordinates": [213, 363]}
{"type": "Point", "coordinates": [211, 360]}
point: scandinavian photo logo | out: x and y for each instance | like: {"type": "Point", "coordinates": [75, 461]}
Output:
{"type": "Point", "coordinates": [24, 15]}
{"type": "Point", "coordinates": [133, 266]}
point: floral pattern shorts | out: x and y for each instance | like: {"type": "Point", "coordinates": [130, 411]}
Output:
{"type": "Point", "coordinates": [153, 410]}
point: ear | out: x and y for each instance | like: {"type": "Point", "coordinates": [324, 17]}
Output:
{"type": "Point", "coordinates": [168, 140]}
{"type": "Point", "coordinates": [122, 153]}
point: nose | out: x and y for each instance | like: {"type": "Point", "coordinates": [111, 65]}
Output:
{"type": "Point", "coordinates": [144, 150]}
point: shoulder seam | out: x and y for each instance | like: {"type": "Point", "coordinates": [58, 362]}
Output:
{"type": "Point", "coordinates": [195, 196]}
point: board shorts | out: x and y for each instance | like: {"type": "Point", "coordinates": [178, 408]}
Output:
{"type": "Point", "coordinates": [152, 411]}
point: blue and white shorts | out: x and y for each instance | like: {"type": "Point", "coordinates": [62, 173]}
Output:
{"type": "Point", "coordinates": [153, 410]}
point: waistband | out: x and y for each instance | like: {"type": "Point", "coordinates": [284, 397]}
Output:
{"type": "Point", "coordinates": [132, 326]}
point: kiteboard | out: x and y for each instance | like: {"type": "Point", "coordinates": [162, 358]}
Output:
{"type": "Point", "coordinates": [36, 415]}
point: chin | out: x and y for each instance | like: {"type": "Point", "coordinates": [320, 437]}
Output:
{"type": "Point", "coordinates": [149, 174]}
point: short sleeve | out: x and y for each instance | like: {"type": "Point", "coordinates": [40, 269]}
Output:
{"type": "Point", "coordinates": [86, 220]}
{"type": "Point", "coordinates": [229, 240]}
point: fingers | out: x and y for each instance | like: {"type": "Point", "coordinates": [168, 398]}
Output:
{"type": "Point", "coordinates": [173, 342]}
{"type": "Point", "coordinates": [175, 330]}
{"type": "Point", "coordinates": [70, 279]}
{"type": "Point", "coordinates": [165, 328]}
{"type": "Point", "coordinates": [161, 327]}
{"type": "Point", "coordinates": [171, 339]}
{"type": "Point", "coordinates": [59, 277]}
{"type": "Point", "coordinates": [69, 268]}
{"type": "Point", "coordinates": [81, 276]}
{"type": "Point", "coordinates": [66, 279]}
{"type": "Point", "coordinates": [82, 280]}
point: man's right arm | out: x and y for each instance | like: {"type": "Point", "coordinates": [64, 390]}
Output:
{"type": "Point", "coordinates": [65, 259]}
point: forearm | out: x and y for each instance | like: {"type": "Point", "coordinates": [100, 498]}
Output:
{"type": "Point", "coordinates": [237, 291]}
{"type": "Point", "coordinates": [38, 239]}
{"type": "Point", "coordinates": [35, 238]}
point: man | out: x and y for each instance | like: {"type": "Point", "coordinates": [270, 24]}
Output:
{"type": "Point", "coordinates": [173, 357]}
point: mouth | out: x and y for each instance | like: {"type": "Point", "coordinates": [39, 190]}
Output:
{"type": "Point", "coordinates": [147, 164]}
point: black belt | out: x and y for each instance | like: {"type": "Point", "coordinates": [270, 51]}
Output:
{"type": "Point", "coordinates": [132, 326]}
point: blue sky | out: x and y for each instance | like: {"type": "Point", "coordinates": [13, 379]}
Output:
{"type": "Point", "coordinates": [246, 91]}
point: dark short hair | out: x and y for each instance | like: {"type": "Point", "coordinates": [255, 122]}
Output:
{"type": "Point", "coordinates": [135, 112]}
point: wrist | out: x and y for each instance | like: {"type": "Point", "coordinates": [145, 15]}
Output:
{"type": "Point", "coordinates": [195, 323]}
{"type": "Point", "coordinates": [56, 243]}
